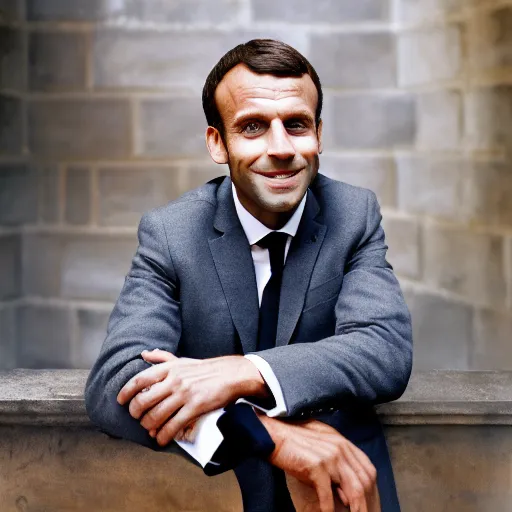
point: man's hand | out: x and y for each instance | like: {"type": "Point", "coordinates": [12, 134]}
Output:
{"type": "Point", "coordinates": [174, 393]}
{"type": "Point", "coordinates": [317, 455]}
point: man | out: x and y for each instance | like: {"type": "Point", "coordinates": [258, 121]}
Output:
{"type": "Point", "coordinates": [269, 287]}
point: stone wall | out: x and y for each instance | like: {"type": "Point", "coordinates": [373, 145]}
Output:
{"type": "Point", "coordinates": [101, 119]}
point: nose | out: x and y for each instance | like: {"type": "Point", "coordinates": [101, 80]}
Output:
{"type": "Point", "coordinates": [279, 143]}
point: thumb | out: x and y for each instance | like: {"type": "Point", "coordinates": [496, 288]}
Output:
{"type": "Point", "coordinates": [157, 356]}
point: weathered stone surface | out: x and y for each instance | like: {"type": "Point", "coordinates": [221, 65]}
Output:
{"type": "Point", "coordinates": [18, 194]}
{"type": "Point", "coordinates": [44, 335]}
{"type": "Point", "coordinates": [7, 337]}
{"type": "Point", "coordinates": [181, 11]}
{"type": "Point", "coordinates": [442, 331]}
{"type": "Point", "coordinates": [440, 51]}
{"type": "Point", "coordinates": [12, 58]}
{"type": "Point", "coordinates": [11, 136]}
{"type": "Point", "coordinates": [144, 58]}
{"type": "Point", "coordinates": [172, 127]}
{"type": "Point", "coordinates": [422, 10]}
{"type": "Point", "coordinates": [488, 116]}
{"type": "Point", "coordinates": [375, 173]}
{"type": "Point", "coordinates": [490, 39]}
{"type": "Point", "coordinates": [197, 175]}
{"type": "Point", "coordinates": [57, 60]}
{"type": "Point", "coordinates": [430, 185]}
{"type": "Point", "coordinates": [303, 11]}
{"type": "Point", "coordinates": [466, 263]}
{"type": "Point", "coordinates": [92, 330]}
{"type": "Point", "coordinates": [439, 120]}
{"type": "Point", "coordinates": [49, 197]}
{"type": "Point", "coordinates": [76, 266]}
{"type": "Point", "coordinates": [62, 10]}
{"type": "Point", "coordinates": [493, 341]}
{"type": "Point", "coordinates": [403, 240]}
{"type": "Point", "coordinates": [125, 194]}
{"type": "Point", "coordinates": [355, 60]}
{"type": "Point", "coordinates": [79, 128]}
{"type": "Point", "coordinates": [369, 121]}
{"type": "Point", "coordinates": [78, 195]}
{"type": "Point", "coordinates": [10, 265]}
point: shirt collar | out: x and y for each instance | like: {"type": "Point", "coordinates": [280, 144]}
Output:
{"type": "Point", "coordinates": [255, 230]}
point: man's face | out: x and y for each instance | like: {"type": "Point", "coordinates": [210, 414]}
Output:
{"type": "Point", "coordinates": [270, 142]}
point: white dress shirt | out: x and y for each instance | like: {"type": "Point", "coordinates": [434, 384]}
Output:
{"type": "Point", "coordinates": [207, 436]}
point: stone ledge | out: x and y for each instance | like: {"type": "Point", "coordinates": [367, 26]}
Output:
{"type": "Point", "coordinates": [55, 397]}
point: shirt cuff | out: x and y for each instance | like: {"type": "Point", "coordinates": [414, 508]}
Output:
{"type": "Point", "coordinates": [271, 380]}
{"type": "Point", "coordinates": [207, 438]}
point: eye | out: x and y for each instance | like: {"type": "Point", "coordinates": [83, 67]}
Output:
{"type": "Point", "coordinates": [252, 128]}
{"type": "Point", "coordinates": [296, 125]}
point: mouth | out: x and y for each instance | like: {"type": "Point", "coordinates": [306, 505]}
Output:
{"type": "Point", "coordinates": [279, 175]}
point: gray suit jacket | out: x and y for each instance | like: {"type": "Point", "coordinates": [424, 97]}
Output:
{"type": "Point", "coordinates": [344, 339]}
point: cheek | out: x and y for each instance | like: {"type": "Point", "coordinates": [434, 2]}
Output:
{"type": "Point", "coordinates": [307, 147]}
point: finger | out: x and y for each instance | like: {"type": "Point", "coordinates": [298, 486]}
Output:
{"type": "Point", "coordinates": [342, 495]}
{"type": "Point", "coordinates": [157, 356]}
{"type": "Point", "coordinates": [365, 463]}
{"type": "Point", "coordinates": [142, 380]}
{"type": "Point", "coordinates": [323, 490]}
{"type": "Point", "coordinates": [161, 412]}
{"type": "Point", "coordinates": [350, 481]}
{"type": "Point", "coordinates": [184, 417]}
{"type": "Point", "coordinates": [149, 397]}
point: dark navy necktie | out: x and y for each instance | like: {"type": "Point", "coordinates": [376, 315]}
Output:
{"type": "Point", "coordinates": [275, 242]}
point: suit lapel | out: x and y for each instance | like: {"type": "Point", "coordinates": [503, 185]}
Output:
{"type": "Point", "coordinates": [233, 261]}
{"type": "Point", "coordinates": [298, 269]}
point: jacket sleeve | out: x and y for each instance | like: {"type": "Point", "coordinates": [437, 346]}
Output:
{"type": "Point", "coordinates": [147, 316]}
{"type": "Point", "coordinates": [368, 360]}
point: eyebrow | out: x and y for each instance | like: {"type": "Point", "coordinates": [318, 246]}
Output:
{"type": "Point", "coordinates": [256, 114]}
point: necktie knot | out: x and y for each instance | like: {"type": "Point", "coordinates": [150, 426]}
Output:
{"type": "Point", "coordinates": [275, 242]}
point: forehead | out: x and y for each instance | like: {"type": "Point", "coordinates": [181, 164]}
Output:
{"type": "Point", "coordinates": [242, 89]}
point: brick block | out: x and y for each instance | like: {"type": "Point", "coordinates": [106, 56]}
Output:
{"type": "Point", "coordinates": [79, 128]}
{"type": "Point", "coordinates": [125, 194]}
{"type": "Point", "coordinates": [10, 263]}
{"type": "Point", "coordinates": [7, 337]}
{"type": "Point", "coordinates": [487, 193]}
{"type": "Point", "coordinates": [172, 127]}
{"type": "Point", "coordinates": [490, 39]}
{"type": "Point", "coordinates": [369, 121]}
{"type": "Point", "coordinates": [18, 194]}
{"type": "Point", "coordinates": [422, 10]}
{"type": "Point", "coordinates": [150, 59]}
{"type": "Point", "coordinates": [11, 136]}
{"type": "Point", "coordinates": [197, 175]}
{"type": "Point", "coordinates": [442, 332]}
{"type": "Point", "coordinates": [12, 59]}
{"type": "Point", "coordinates": [57, 61]}
{"type": "Point", "coordinates": [11, 10]}
{"type": "Point", "coordinates": [327, 11]}
{"type": "Point", "coordinates": [78, 195]}
{"type": "Point", "coordinates": [403, 240]}
{"type": "Point", "coordinates": [77, 267]}
{"type": "Point", "coordinates": [430, 186]}
{"type": "Point", "coordinates": [356, 60]}
{"type": "Point", "coordinates": [181, 11]}
{"type": "Point", "coordinates": [63, 10]}
{"type": "Point", "coordinates": [469, 264]}
{"type": "Point", "coordinates": [429, 56]}
{"type": "Point", "coordinates": [493, 341]}
{"type": "Point", "coordinates": [375, 173]}
{"type": "Point", "coordinates": [439, 120]}
{"type": "Point", "coordinates": [49, 193]}
{"type": "Point", "coordinates": [92, 330]}
{"type": "Point", "coordinates": [488, 117]}
{"type": "Point", "coordinates": [44, 337]}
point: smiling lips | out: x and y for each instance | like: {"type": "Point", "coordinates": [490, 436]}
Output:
{"type": "Point", "coordinates": [279, 175]}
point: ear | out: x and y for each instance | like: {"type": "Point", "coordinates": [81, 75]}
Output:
{"type": "Point", "coordinates": [319, 136]}
{"type": "Point", "coordinates": [216, 146]}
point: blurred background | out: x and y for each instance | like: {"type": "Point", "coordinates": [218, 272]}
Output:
{"type": "Point", "coordinates": [101, 120]}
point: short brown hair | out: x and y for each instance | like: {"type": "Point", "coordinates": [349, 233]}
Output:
{"type": "Point", "coordinates": [263, 56]}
